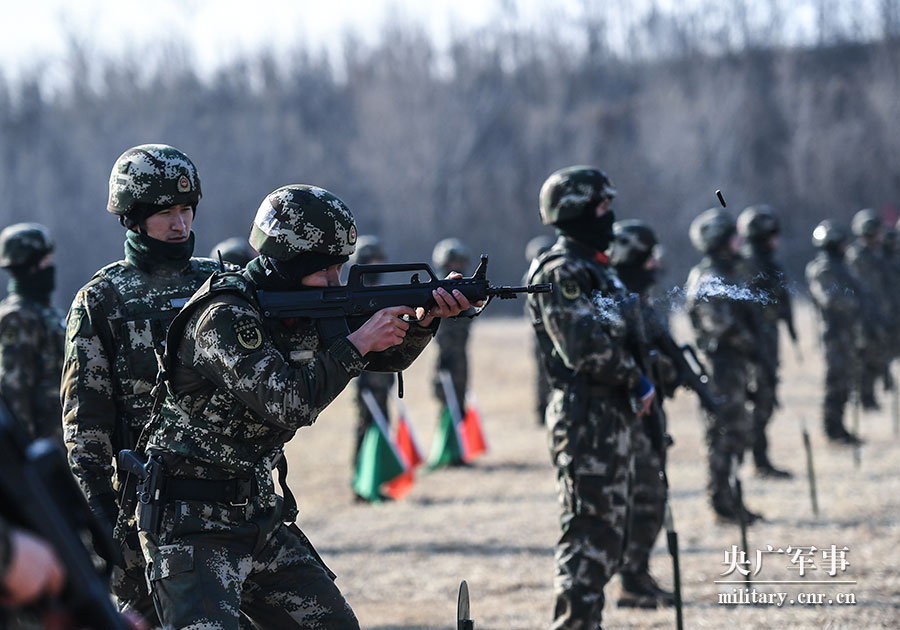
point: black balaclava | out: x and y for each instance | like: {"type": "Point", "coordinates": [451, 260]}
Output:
{"type": "Point", "coordinates": [590, 230]}
{"type": "Point", "coordinates": [285, 275]}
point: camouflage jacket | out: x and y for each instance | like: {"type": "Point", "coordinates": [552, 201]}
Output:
{"type": "Point", "coordinates": [768, 281]}
{"type": "Point", "coordinates": [31, 359]}
{"type": "Point", "coordinates": [116, 323]}
{"type": "Point", "coordinates": [240, 385]}
{"type": "Point", "coordinates": [870, 271]}
{"type": "Point", "coordinates": [835, 291]}
{"type": "Point", "coordinates": [579, 325]}
{"type": "Point", "coordinates": [721, 307]}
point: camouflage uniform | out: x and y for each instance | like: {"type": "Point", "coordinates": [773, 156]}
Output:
{"type": "Point", "coordinates": [116, 325]}
{"type": "Point", "coordinates": [590, 414]}
{"type": "Point", "coordinates": [239, 386]}
{"type": "Point", "coordinates": [31, 332]}
{"type": "Point", "coordinates": [722, 314]}
{"type": "Point", "coordinates": [453, 336]}
{"type": "Point", "coordinates": [837, 296]}
{"type": "Point", "coordinates": [537, 246]}
{"type": "Point", "coordinates": [865, 261]}
{"type": "Point", "coordinates": [758, 225]}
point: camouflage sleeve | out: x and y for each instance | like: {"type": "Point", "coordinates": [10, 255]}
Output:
{"type": "Point", "coordinates": [588, 332]}
{"type": "Point", "coordinates": [832, 294]}
{"type": "Point", "coordinates": [86, 393]}
{"type": "Point", "coordinates": [402, 356]}
{"type": "Point", "coordinates": [232, 349]}
{"type": "Point", "coordinates": [19, 367]}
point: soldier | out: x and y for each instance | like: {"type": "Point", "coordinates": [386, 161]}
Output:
{"type": "Point", "coordinates": [234, 250]}
{"type": "Point", "coordinates": [891, 255]}
{"type": "Point", "coordinates": [369, 251]}
{"type": "Point", "coordinates": [32, 332]}
{"type": "Point", "coordinates": [239, 386]}
{"type": "Point", "coordinates": [759, 228]}
{"type": "Point", "coordinates": [597, 390]}
{"type": "Point", "coordinates": [634, 256]}
{"type": "Point", "coordinates": [721, 310]}
{"type": "Point", "coordinates": [537, 246]}
{"type": "Point", "coordinates": [451, 255]}
{"type": "Point", "coordinates": [865, 261]}
{"type": "Point", "coordinates": [837, 295]}
{"type": "Point", "coordinates": [116, 325]}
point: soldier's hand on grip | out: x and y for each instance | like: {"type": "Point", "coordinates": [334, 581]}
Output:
{"type": "Point", "coordinates": [383, 330]}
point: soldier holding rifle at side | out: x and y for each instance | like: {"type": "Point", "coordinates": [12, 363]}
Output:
{"type": "Point", "coordinates": [598, 390]}
{"type": "Point", "coordinates": [218, 538]}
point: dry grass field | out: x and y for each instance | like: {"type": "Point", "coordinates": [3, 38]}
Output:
{"type": "Point", "coordinates": [495, 523]}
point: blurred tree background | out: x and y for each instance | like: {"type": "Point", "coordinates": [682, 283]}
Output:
{"type": "Point", "coordinates": [425, 142]}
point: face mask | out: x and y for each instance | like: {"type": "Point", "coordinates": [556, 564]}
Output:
{"type": "Point", "coordinates": [593, 231]}
{"type": "Point", "coordinates": [37, 284]}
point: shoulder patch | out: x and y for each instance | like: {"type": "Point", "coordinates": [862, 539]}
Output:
{"type": "Point", "coordinates": [570, 289]}
{"type": "Point", "coordinates": [248, 333]}
{"type": "Point", "coordinates": [73, 327]}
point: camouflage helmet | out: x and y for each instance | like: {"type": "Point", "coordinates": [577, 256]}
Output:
{"type": "Point", "coordinates": [153, 174]}
{"type": "Point", "coordinates": [24, 244]}
{"type": "Point", "coordinates": [570, 192]}
{"type": "Point", "coordinates": [234, 250]}
{"type": "Point", "coordinates": [368, 250]}
{"type": "Point", "coordinates": [299, 219]}
{"type": "Point", "coordinates": [866, 223]}
{"type": "Point", "coordinates": [633, 243]}
{"type": "Point", "coordinates": [711, 230]}
{"type": "Point", "coordinates": [448, 250]}
{"type": "Point", "coordinates": [829, 234]}
{"type": "Point", "coordinates": [757, 223]}
{"type": "Point", "coordinates": [537, 246]}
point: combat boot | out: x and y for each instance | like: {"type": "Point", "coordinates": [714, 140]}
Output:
{"type": "Point", "coordinates": [843, 437]}
{"type": "Point", "coordinates": [765, 468]}
{"type": "Point", "coordinates": [640, 590]}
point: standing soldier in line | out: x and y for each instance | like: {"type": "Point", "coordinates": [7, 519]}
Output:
{"type": "Point", "coordinates": [598, 390]}
{"type": "Point", "coordinates": [32, 331]}
{"type": "Point", "coordinates": [759, 228]}
{"type": "Point", "coordinates": [865, 261]}
{"type": "Point", "coordinates": [369, 251]}
{"type": "Point", "coordinates": [634, 256]}
{"type": "Point", "coordinates": [451, 255]}
{"type": "Point", "coordinates": [722, 313]}
{"type": "Point", "coordinates": [891, 255]}
{"type": "Point", "coordinates": [116, 326]}
{"type": "Point", "coordinates": [537, 246]}
{"type": "Point", "coordinates": [234, 250]}
{"type": "Point", "coordinates": [837, 294]}
{"type": "Point", "coordinates": [239, 386]}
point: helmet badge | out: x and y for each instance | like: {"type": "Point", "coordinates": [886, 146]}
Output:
{"type": "Point", "coordinates": [184, 184]}
{"type": "Point", "coordinates": [352, 236]}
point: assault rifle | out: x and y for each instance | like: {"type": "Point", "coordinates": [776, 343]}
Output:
{"type": "Point", "coordinates": [38, 493]}
{"type": "Point", "coordinates": [334, 306]}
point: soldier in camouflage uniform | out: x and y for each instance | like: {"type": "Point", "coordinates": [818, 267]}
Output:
{"type": "Point", "coordinates": [537, 246]}
{"type": "Point", "coordinates": [865, 261]}
{"type": "Point", "coordinates": [723, 313]}
{"type": "Point", "coordinates": [451, 255]}
{"type": "Point", "coordinates": [891, 255]}
{"type": "Point", "coordinates": [116, 325]}
{"type": "Point", "coordinates": [759, 227]}
{"type": "Point", "coordinates": [369, 251]}
{"type": "Point", "coordinates": [597, 391]}
{"type": "Point", "coordinates": [234, 250]}
{"type": "Point", "coordinates": [32, 332]}
{"type": "Point", "coordinates": [838, 297]}
{"type": "Point", "coordinates": [634, 256]}
{"type": "Point", "coordinates": [239, 385]}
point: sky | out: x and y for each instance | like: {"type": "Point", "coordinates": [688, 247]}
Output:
{"type": "Point", "coordinates": [34, 33]}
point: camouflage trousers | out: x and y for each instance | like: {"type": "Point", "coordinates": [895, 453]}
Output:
{"type": "Point", "coordinates": [648, 504]}
{"type": "Point", "coordinates": [129, 584]}
{"type": "Point", "coordinates": [728, 435]}
{"type": "Point", "coordinates": [211, 562]}
{"type": "Point", "coordinates": [541, 385]}
{"type": "Point", "coordinates": [763, 397]}
{"type": "Point", "coordinates": [590, 445]}
{"type": "Point", "coordinates": [841, 375]}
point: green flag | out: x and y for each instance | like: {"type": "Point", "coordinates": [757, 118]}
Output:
{"type": "Point", "coordinates": [445, 449]}
{"type": "Point", "coordinates": [377, 464]}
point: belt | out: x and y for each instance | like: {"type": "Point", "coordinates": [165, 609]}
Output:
{"type": "Point", "coordinates": [233, 491]}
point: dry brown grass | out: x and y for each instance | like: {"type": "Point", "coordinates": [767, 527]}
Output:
{"type": "Point", "coordinates": [495, 524]}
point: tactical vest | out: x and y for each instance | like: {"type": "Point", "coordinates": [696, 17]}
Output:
{"type": "Point", "coordinates": [559, 375]}
{"type": "Point", "coordinates": [210, 425]}
{"type": "Point", "coordinates": [146, 304]}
